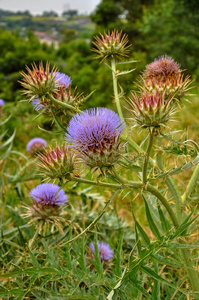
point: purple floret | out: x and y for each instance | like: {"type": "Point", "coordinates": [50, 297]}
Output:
{"type": "Point", "coordinates": [2, 102]}
{"type": "Point", "coordinates": [36, 144]}
{"type": "Point", "coordinates": [62, 79]}
{"type": "Point", "coordinates": [37, 105]}
{"type": "Point", "coordinates": [46, 194]}
{"type": "Point", "coordinates": [105, 251]}
{"type": "Point", "coordinates": [94, 127]}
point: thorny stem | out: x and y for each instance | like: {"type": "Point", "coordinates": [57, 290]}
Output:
{"type": "Point", "coordinates": [150, 145]}
{"type": "Point", "coordinates": [115, 89]}
{"type": "Point", "coordinates": [135, 146]}
{"type": "Point", "coordinates": [64, 104]}
{"type": "Point", "coordinates": [190, 186]}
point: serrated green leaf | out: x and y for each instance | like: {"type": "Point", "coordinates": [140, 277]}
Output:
{"type": "Point", "coordinates": [152, 225]}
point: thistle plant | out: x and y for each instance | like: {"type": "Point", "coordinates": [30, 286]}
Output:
{"type": "Point", "coordinates": [156, 261]}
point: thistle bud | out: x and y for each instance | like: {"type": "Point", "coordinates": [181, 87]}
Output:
{"type": "Point", "coordinates": [56, 162]}
{"type": "Point", "coordinates": [164, 75]}
{"type": "Point", "coordinates": [151, 110]}
{"type": "Point", "coordinates": [95, 134]}
{"type": "Point", "coordinates": [39, 82]}
{"type": "Point", "coordinates": [111, 46]}
{"type": "Point", "coordinates": [105, 251]}
{"type": "Point", "coordinates": [2, 103]}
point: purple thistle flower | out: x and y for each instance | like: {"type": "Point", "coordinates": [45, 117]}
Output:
{"type": "Point", "coordinates": [62, 79]}
{"type": "Point", "coordinates": [2, 102]}
{"type": "Point", "coordinates": [36, 144]}
{"type": "Point", "coordinates": [37, 105]}
{"type": "Point", "coordinates": [105, 251]}
{"type": "Point", "coordinates": [94, 127]}
{"type": "Point", "coordinates": [95, 133]}
{"type": "Point", "coordinates": [48, 194]}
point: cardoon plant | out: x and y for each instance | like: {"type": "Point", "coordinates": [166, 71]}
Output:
{"type": "Point", "coordinates": [95, 136]}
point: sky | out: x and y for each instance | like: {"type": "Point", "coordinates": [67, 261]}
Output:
{"type": "Point", "coordinates": [38, 6]}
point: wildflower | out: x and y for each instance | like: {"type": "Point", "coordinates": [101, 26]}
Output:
{"type": "Point", "coordinates": [111, 46]}
{"type": "Point", "coordinates": [35, 145]}
{"type": "Point", "coordinates": [2, 103]}
{"type": "Point", "coordinates": [95, 135]}
{"type": "Point", "coordinates": [164, 74]}
{"type": "Point", "coordinates": [48, 194]}
{"type": "Point", "coordinates": [62, 79]}
{"type": "Point", "coordinates": [47, 202]}
{"type": "Point", "coordinates": [105, 251]}
{"type": "Point", "coordinates": [57, 162]}
{"type": "Point", "coordinates": [151, 110]}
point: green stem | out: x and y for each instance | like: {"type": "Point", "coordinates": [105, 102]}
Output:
{"type": "Point", "coordinates": [148, 151]}
{"type": "Point", "coordinates": [115, 89]}
{"type": "Point", "coordinates": [193, 274]}
{"type": "Point", "coordinates": [171, 185]}
{"type": "Point", "coordinates": [64, 104]}
{"type": "Point", "coordinates": [190, 186]}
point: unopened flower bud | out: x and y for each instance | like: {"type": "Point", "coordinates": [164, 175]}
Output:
{"type": "Point", "coordinates": [111, 46]}
{"type": "Point", "coordinates": [57, 162]}
{"type": "Point", "coordinates": [151, 110]}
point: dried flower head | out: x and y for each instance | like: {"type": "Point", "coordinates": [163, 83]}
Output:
{"type": "Point", "coordinates": [47, 202]}
{"type": "Point", "coordinates": [95, 134]}
{"type": "Point", "coordinates": [2, 103]}
{"type": "Point", "coordinates": [36, 145]}
{"type": "Point", "coordinates": [56, 162]}
{"type": "Point", "coordinates": [39, 82]}
{"type": "Point", "coordinates": [111, 45]}
{"type": "Point", "coordinates": [164, 74]}
{"type": "Point", "coordinates": [151, 110]}
{"type": "Point", "coordinates": [105, 251]}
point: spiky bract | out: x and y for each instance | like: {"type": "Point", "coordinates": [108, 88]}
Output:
{"type": "Point", "coordinates": [57, 162]}
{"type": "Point", "coordinates": [111, 45]}
{"type": "Point", "coordinates": [95, 135]}
{"type": "Point", "coordinates": [164, 75]}
{"type": "Point", "coordinates": [39, 82]}
{"type": "Point", "coordinates": [36, 145]}
{"type": "Point", "coordinates": [151, 110]}
{"type": "Point", "coordinates": [105, 251]}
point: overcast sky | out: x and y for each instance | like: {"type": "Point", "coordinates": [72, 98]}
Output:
{"type": "Point", "coordinates": [38, 6]}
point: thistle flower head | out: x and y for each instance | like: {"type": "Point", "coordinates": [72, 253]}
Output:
{"type": "Point", "coordinates": [56, 162]}
{"type": "Point", "coordinates": [48, 194]}
{"type": "Point", "coordinates": [111, 45]}
{"type": "Point", "coordinates": [105, 251]}
{"type": "Point", "coordinates": [164, 74]}
{"type": "Point", "coordinates": [39, 82]}
{"type": "Point", "coordinates": [151, 110]}
{"type": "Point", "coordinates": [2, 103]}
{"type": "Point", "coordinates": [62, 79]}
{"type": "Point", "coordinates": [36, 145]}
{"type": "Point", "coordinates": [95, 135]}
{"type": "Point", "coordinates": [47, 202]}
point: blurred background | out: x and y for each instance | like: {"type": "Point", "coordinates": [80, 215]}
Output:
{"type": "Point", "coordinates": [62, 31]}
